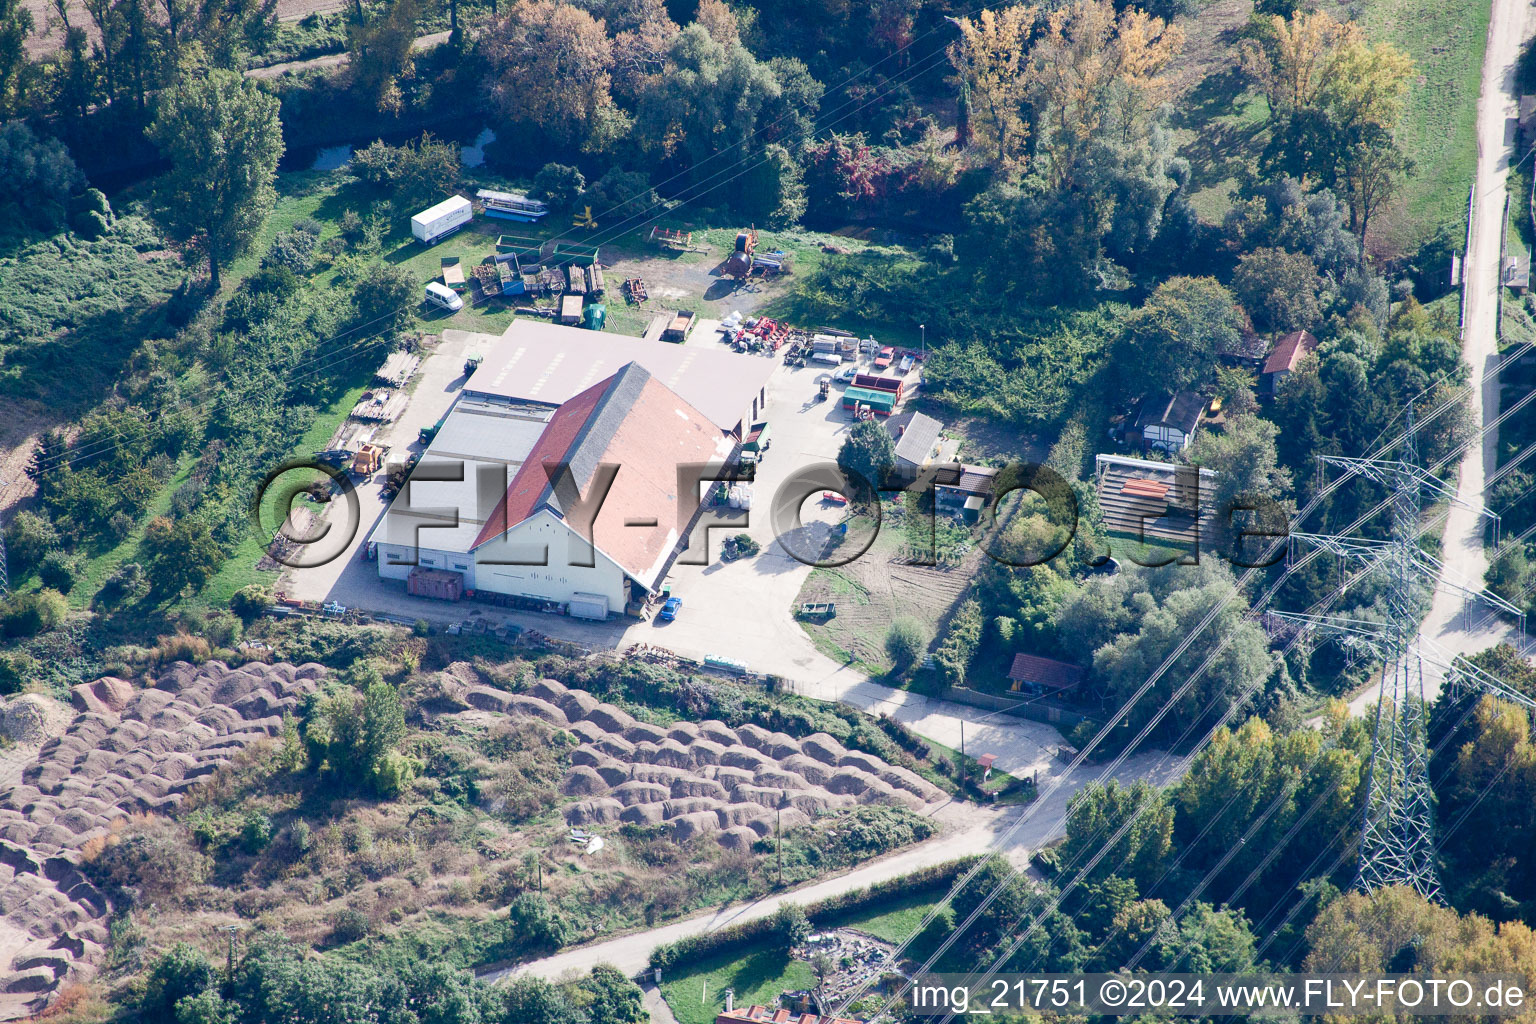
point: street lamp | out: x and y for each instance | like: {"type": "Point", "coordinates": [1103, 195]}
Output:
{"type": "Point", "coordinates": [924, 329]}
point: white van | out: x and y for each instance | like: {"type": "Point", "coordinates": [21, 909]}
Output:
{"type": "Point", "coordinates": [440, 295]}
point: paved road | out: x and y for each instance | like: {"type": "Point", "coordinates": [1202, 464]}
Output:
{"type": "Point", "coordinates": [967, 830]}
{"type": "Point", "coordinates": [1450, 623]}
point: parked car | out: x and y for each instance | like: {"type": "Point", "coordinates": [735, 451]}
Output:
{"type": "Point", "coordinates": [669, 609]}
{"type": "Point", "coordinates": [883, 360]}
{"type": "Point", "coordinates": [441, 296]}
{"type": "Point", "coordinates": [846, 375]}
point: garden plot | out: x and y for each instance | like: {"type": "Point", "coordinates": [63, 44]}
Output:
{"type": "Point", "coordinates": [737, 785]}
{"type": "Point", "coordinates": [125, 751]}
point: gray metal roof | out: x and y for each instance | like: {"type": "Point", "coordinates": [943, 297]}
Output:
{"type": "Point", "coordinates": [919, 437]}
{"type": "Point", "coordinates": [550, 363]}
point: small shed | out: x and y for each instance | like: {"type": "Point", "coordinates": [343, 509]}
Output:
{"type": "Point", "coordinates": [1033, 674]}
{"type": "Point", "coordinates": [916, 439]}
{"type": "Point", "coordinates": [1517, 272]}
{"type": "Point", "coordinates": [1168, 422]}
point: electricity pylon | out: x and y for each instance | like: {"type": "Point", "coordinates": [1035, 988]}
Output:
{"type": "Point", "coordinates": [1397, 843]}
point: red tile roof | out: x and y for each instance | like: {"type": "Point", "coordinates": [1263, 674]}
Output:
{"type": "Point", "coordinates": [632, 421]}
{"type": "Point", "coordinates": [1289, 350]}
{"type": "Point", "coordinates": [1051, 674]}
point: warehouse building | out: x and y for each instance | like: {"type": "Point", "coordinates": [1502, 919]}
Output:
{"type": "Point", "coordinates": [491, 511]}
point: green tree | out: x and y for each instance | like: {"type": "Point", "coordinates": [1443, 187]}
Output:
{"type": "Point", "coordinates": [1279, 289]}
{"type": "Point", "coordinates": [707, 100]}
{"type": "Point", "coordinates": [32, 613]}
{"type": "Point", "coordinates": [612, 998]}
{"type": "Point", "coordinates": [1099, 811]}
{"type": "Point", "coordinates": [17, 73]}
{"type": "Point", "coordinates": [182, 972]}
{"type": "Point", "coordinates": [180, 553]}
{"type": "Point", "coordinates": [999, 916]}
{"type": "Point", "coordinates": [559, 185]}
{"type": "Point", "coordinates": [355, 735]}
{"type": "Point", "coordinates": [1251, 489]}
{"type": "Point", "coordinates": [36, 175]}
{"type": "Point", "coordinates": [380, 46]}
{"type": "Point", "coordinates": [790, 926]}
{"type": "Point", "coordinates": [28, 538]}
{"type": "Point", "coordinates": [867, 455]}
{"type": "Point", "coordinates": [1178, 333]}
{"type": "Point", "coordinates": [906, 642]}
{"type": "Point", "coordinates": [773, 189]}
{"type": "Point", "coordinates": [221, 135]}
{"type": "Point", "coordinates": [387, 296]}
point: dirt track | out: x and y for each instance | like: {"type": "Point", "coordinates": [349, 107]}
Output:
{"type": "Point", "coordinates": [46, 39]}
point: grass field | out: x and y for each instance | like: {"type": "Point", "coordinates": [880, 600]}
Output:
{"type": "Point", "coordinates": [1219, 122]}
{"type": "Point", "coordinates": [1446, 39]}
{"type": "Point", "coordinates": [758, 975]}
{"type": "Point", "coordinates": [696, 994]}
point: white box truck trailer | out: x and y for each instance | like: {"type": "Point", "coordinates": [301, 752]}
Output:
{"type": "Point", "coordinates": [441, 220]}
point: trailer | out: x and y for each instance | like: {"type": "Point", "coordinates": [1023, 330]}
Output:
{"type": "Point", "coordinates": [511, 206]}
{"type": "Point", "coordinates": [438, 584]}
{"type": "Point", "coordinates": [881, 403]}
{"type": "Point", "coordinates": [875, 383]}
{"type": "Point", "coordinates": [453, 273]}
{"type": "Point", "coordinates": [759, 440]}
{"type": "Point", "coordinates": [509, 273]}
{"type": "Point", "coordinates": [527, 249]}
{"type": "Point", "coordinates": [682, 323]}
{"type": "Point", "coordinates": [587, 606]}
{"type": "Point", "coordinates": [671, 238]}
{"type": "Point", "coordinates": [438, 222]}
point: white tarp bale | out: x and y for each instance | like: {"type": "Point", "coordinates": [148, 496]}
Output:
{"type": "Point", "coordinates": [588, 606]}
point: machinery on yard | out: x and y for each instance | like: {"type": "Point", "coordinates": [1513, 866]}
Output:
{"type": "Point", "coordinates": [739, 264]}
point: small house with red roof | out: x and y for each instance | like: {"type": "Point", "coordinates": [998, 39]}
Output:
{"type": "Point", "coordinates": [1285, 357]}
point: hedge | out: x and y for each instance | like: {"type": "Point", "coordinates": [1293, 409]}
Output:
{"type": "Point", "coordinates": [825, 912]}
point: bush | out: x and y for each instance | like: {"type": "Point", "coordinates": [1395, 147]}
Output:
{"type": "Point", "coordinates": [153, 858]}
{"type": "Point", "coordinates": [559, 185]}
{"type": "Point", "coordinates": [222, 629]}
{"type": "Point", "coordinates": [59, 571]}
{"type": "Point", "coordinates": [250, 602]}
{"type": "Point", "coordinates": [14, 670]}
{"type": "Point", "coordinates": [31, 614]}
{"type": "Point", "coordinates": [255, 832]}
{"type": "Point", "coordinates": [906, 642]}
{"type": "Point", "coordinates": [181, 973]}
{"type": "Point", "coordinates": [29, 537]}
{"type": "Point", "coordinates": [293, 250]}
{"type": "Point", "coordinates": [790, 925]}
{"type": "Point", "coordinates": [349, 925]}
{"type": "Point", "coordinates": [127, 583]}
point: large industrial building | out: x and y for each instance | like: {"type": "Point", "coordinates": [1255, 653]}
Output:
{"type": "Point", "coordinates": [497, 503]}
